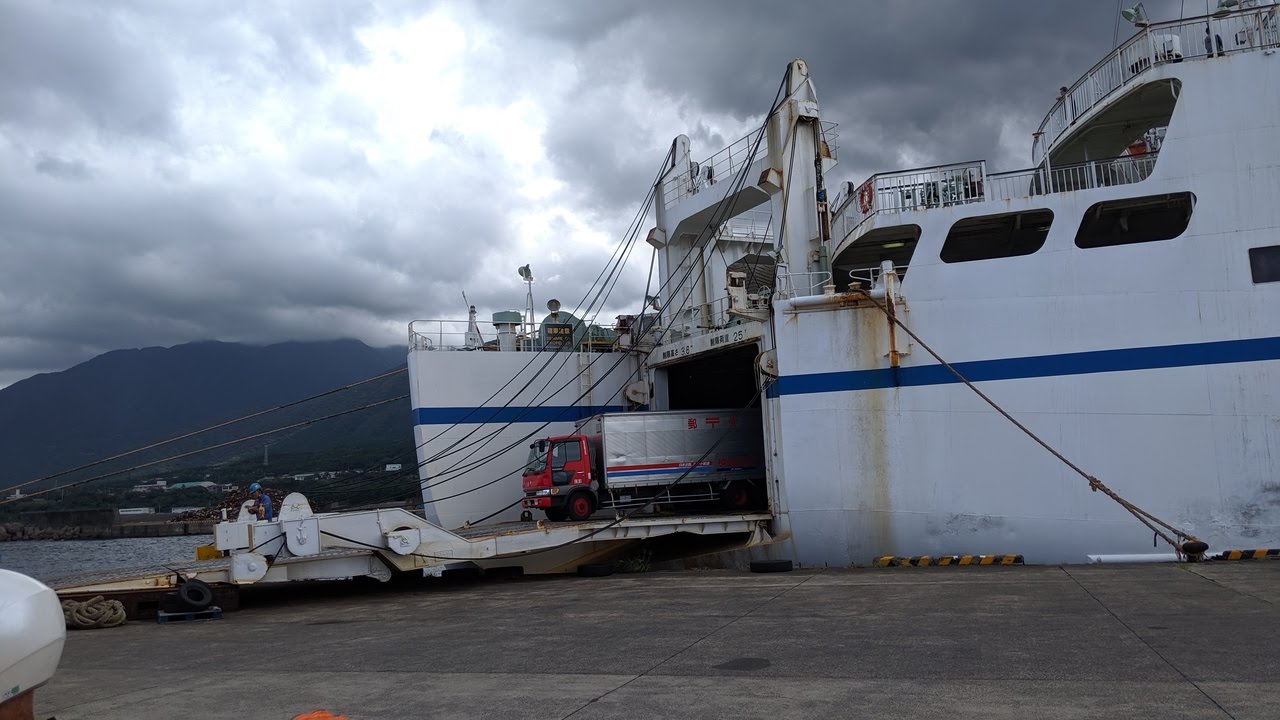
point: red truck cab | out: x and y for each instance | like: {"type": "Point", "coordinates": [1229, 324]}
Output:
{"type": "Point", "coordinates": [559, 478]}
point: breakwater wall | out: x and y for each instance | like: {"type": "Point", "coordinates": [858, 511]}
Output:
{"type": "Point", "coordinates": [10, 532]}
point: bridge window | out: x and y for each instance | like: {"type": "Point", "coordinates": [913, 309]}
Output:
{"type": "Point", "coordinates": [1265, 264]}
{"type": "Point", "coordinates": [1136, 220]}
{"type": "Point", "coordinates": [997, 236]}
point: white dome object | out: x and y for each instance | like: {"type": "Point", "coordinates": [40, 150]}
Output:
{"type": "Point", "coordinates": [32, 631]}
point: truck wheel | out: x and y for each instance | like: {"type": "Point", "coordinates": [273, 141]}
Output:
{"type": "Point", "coordinates": [580, 506]}
{"type": "Point", "coordinates": [556, 514]}
{"type": "Point", "coordinates": [735, 497]}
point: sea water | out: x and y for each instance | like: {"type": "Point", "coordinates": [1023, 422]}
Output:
{"type": "Point", "coordinates": [46, 559]}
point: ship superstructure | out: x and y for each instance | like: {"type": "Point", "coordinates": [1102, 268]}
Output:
{"type": "Point", "coordinates": [1121, 298]}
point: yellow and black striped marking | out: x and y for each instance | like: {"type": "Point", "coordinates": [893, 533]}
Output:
{"type": "Point", "coordinates": [925, 560]}
{"type": "Point", "coordinates": [1247, 554]}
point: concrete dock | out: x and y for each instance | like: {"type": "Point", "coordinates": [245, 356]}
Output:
{"type": "Point", "coordinates": [1139, 641]}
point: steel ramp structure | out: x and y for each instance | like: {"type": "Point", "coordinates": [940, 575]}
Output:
{"type": "Point", "coordinates": [302, 545]}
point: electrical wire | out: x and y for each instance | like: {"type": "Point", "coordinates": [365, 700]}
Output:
{"type": "Point", "coordinates": [618, 520]}
{"type": "Point", "coordinates": [193, 433]}
{"type": "Point", "coordinates": [197, 451]}
{"type": "Point", "coordinates": [720, 216]}
{"type": "Point", "coordinates": [633, 229]}
{"type": "Point", "coordinates": [617, 266]}
{"type": "Point", "coordinates": [723, 208]}
{"type": "Point", "coordinates": [462, 467]}
{"type": "Point", "coordinates": [633, 233]}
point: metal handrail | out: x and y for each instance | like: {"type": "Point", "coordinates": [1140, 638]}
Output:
{"type": "Point", "coordinates": [724, 165]}
{"type": "Point", "coordinates": [432, 334]}
{"type": "Point", "coordinates": [874, 276]}
{"type": "Point", "coordinates": [1122, 170]}
{"type": "Point", "coordinates": [1244, 30]}
{"type": "Point", "coordinates": [914, 189]}
{"type": "Point", "coordinates": [962, 183]}
{"type": "Point", "coordinates": [786, 288]}
{"type": "Point", "coordinates": [753, 224]}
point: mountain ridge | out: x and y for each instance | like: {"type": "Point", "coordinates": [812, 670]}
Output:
{"type": "Point", "coordinates": [128, 398]}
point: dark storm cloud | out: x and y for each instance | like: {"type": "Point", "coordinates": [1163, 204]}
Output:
{"type": "Point", "coordinates": [65, 64]}
{"type": "Point", "coordinates": [925, 81]}
{"type": "Point", "coordinates": [172, 172]}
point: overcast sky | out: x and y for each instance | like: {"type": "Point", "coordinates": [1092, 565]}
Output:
{"type": "Point", "coordinates": [269, 171]}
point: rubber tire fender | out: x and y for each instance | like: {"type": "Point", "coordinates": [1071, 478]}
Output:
{"type": "Point", "coordinates": [195, 594]}
{"type": "Point", "coordinates": [771, 566]}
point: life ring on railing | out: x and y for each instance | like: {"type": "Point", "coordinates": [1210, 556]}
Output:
{"type": "Point", "coordinates": [864, 198]}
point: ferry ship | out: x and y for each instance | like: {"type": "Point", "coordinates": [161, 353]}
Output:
{"type": "Point", "coordinates": [1120, 298]}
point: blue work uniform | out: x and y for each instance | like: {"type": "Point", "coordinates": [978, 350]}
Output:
{"type": "Point", "coordinates": [265, 502]}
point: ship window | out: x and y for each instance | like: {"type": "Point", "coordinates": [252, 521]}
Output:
{"type": "Point", "coordinates": [996, 236]}
{"type": "Point", "coordinates": [1136, 220]}
{"type": "Point", "coordinates": [1265, 263]}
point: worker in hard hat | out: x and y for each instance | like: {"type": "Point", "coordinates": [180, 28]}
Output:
{"type": "Point", "coordinates": [261, 502]}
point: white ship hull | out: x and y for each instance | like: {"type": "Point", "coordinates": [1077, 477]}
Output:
{"type": "Point", "coordinates": [473, 433]}
{"type": "Point", "coordinates": [1154, 366]}
{"type": "Point", "coordinates": [931, 469]}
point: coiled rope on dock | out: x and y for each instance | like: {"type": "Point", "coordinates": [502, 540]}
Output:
{"type": "Point", "coordinates": [96, 612]}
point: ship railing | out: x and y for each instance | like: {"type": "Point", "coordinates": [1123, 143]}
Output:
{"type": "Point", "coordinates": [1017, 184]}
{"type": "Point", "coordinates": [725, 164]}
{"type": "Point", "coordinates": [801, 283]}
{"type": "Point", "coordinates": [871, 278]}
{"type": "Point", "coordinates": [1123, 170]}
{"type": "Point", "coordinates": [750, 226]}
{"type": "Point", "coordinates": [1244, 30]}
{"type": "Point", "coordinates": [915, 189]}
{"type": "Point", "coordinates": [695, 320]}
{"type": "Point", "coordinates": [969, 182]}
{"type": "Point", "coordinates": [439, 335]}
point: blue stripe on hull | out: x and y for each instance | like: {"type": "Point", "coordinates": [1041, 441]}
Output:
{"type": "Point", "coordinates": [1082, 363]}
{"type": "Point", "coordinates": [480, 415]}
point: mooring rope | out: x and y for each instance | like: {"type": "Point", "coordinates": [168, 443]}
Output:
{"type": "Point", "coordinates": [1095, 484]}
{"type": "Point", "coordinates": [96, 612]}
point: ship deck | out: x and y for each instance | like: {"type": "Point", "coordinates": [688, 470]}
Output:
{"type": "Point", "coordinates": [1160, 641]}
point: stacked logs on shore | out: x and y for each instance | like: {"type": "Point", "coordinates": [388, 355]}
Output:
{"type": "Point", "coordinates": [231, 503]}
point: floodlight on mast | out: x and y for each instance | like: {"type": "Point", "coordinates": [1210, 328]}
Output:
{"type": "Point", "coordinates": [527, 322]}
{"type": "Point", "coordinates": [1136, 15]}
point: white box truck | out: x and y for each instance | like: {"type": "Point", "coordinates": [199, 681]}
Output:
{"type": "Point", "coordinates": [691, 458]}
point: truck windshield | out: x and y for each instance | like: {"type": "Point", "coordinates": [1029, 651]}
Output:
{"type": "Point", "coordinates": [537, 461]}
